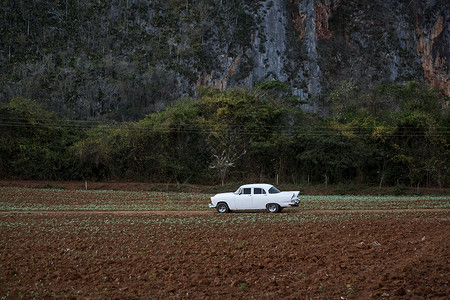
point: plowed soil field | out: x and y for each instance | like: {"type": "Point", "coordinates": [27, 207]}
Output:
{"type": "Point", "coordinates": [49, 248]}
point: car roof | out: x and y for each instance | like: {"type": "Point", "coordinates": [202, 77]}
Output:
{"type": "Point", "coordinates": [259, 185]}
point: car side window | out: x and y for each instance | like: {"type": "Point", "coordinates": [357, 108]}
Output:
{"type": "Point", "coordinates": [247, 191]}
{"type": "Point", "coordinates": [259, 191]}
{"type": "Point", "coordinates": [274, 190]}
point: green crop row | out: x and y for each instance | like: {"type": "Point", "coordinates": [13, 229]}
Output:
{"type": "Point", "coordinates": [23, 199]}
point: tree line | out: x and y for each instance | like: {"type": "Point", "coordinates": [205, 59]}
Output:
{"type": "Point", "coordinates": [393, 134]}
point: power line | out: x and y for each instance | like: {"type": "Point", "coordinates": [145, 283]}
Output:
{"type": "Point", "coordinates": [240, 129]}
{"type": "Point", "coordinates": [23, 121]}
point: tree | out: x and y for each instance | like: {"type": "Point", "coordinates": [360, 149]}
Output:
{"type": "Point", "coordinates": [400, 127]}
{"type": "Point", "coordinates": [94, 153]}
{"type": "Point", "coordinates": [33, 141]}
{"type": "Point", "coordinates": [223, 162]}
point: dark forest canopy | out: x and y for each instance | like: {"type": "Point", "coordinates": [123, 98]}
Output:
{"type": "Point", "coordinates": [394, 134]}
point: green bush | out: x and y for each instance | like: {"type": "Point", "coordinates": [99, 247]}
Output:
{"type": "Point", "coordinates": [254, 135]}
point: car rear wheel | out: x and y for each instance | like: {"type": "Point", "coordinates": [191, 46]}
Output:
{"type": "Point", "coordinates": [222, 208]}
{"type": "Point", "coordinates": [273, 208]}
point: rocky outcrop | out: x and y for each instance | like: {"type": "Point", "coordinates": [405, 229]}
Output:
{"type": "Point", "coordinates": [269, 43]}
{"type": "Point", "coordinates": [433, 33]}
{"type": "Point", "coordinates": [375, 42]}
{"type": "Point", "coordinates": [308, 8]}
{"type": "Point", "coordinates": [128, 58]}
{"type": "Point", "coordinates": [323, 13]}
{"type": "Point", "coordinates": [371, 43]}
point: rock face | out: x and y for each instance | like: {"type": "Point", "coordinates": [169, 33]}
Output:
{"type": "Point", "coordinates": [269, 43]}
{"type": "Point", "coordinates": [370, 42]}
{"type": "Point", "coordinates": [124, 59]}
{"type": "Point", "coordinates": [432, 30]}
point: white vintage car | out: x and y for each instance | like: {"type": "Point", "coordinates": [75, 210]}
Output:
{"type": "Point", "coordinates": [255, 196]}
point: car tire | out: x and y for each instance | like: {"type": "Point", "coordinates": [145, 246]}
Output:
{"type": "Point", "coordinates": [273, 208]}
{"type": "Point", "coordinates": [222, 208]}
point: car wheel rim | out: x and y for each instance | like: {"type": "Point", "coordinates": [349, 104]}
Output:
{"type": "Point", "coordinates": [222, 208]}
{"type": "Point", "coordinates": [272, 208]}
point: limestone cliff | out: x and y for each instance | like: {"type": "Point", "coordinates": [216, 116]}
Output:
{"type": "Point", "coordinates": [124, 59]}
{"type": "Point", "coordinates": [433, 46]}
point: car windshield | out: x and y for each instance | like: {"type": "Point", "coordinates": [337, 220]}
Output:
{"type": "Point", "coordinates": [274, 190]}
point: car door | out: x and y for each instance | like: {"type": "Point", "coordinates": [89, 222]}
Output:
{"type": "Point", "coordinates": [259, 198]}
{"type": "Point", "coordinates": [244, 199]}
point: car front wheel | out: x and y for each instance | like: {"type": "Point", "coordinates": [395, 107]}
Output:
{"type": "Point", "coordinates": [273, 208]}
{"type": "Point", "coordinates": [222, 208]}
